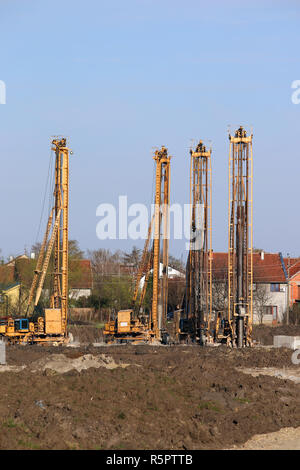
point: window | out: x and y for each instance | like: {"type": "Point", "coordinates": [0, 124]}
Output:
{"type": "Point", "coordinates": [271, 310]}
{"type": "Point", "coordinates": [275, 287]}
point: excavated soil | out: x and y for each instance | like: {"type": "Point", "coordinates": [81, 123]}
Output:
{"type": "Point", "coordinates": [142, 397]}
{"type": "Point", "coordinates": [285, 439]}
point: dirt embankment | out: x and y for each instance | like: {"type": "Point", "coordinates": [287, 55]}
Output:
{"type": "Point", "coordinates": [166, 398]}
{"type": "Point", "coordinates": [264, 334]}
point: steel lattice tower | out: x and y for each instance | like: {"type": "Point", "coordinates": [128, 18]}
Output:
{"type": "Point", "coordinates": [199, 275]}
{"type": "Point", "coordinates": [240, 238]}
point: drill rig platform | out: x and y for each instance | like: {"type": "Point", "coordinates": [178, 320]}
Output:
{"type": "Point", "coordinates": [128, 328]}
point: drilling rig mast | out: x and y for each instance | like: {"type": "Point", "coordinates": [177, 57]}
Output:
{"type": "Point", "coordinates": [52, 327]}
{"type": "Point", "coordinates": [198, 296]}
{"type": "Point", "coordinates": [161, 231]}
{"type": "Point", "coordinates": [130, 325]}
{"type": "Point", "coordinates": [59, 298]}
{"type": "Point", "coordinates": [240, 239]}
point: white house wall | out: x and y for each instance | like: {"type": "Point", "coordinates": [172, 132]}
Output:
{"type": "Point", "coordinates": [278, 299]}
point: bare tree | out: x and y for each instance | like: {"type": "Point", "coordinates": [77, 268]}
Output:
{"type": "Point", "coordinates": [133, 258]}
{"type": "Point", "coordinates": [219, 294]}
{"type": "Point", "coordinates": [176, 288]}
{"type": "Point", "coordinates": [261, 299]}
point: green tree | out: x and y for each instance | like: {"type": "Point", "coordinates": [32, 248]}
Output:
{"type": "Point", "coordinates": [74, 251]}
{"type": "Point", "coordinates": [112, 289]}
{"type": "Point", "coordinates": [134, 257]}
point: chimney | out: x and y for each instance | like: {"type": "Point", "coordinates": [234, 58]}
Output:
{"type": "Point", "coordinates": [262, 255]}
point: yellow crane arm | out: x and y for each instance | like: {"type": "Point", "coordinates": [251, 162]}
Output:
{"type": "Point", "coordinates": [143, 264]}
{"type": "Point", "coordinates": [39, 264]}
{"type": "Point", "coordinates": [143, 293]}
{"type": "Point", "coordinates": [47, 258]}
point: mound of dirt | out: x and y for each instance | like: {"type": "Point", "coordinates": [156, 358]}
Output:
{"type": "Point", "coordinates": [292, 374]}
{"type": "Point", "coordinates": [61, 364]}
{"type": "Point", "coordinates": [4, 368]}
{"type": "Point", "coordinates": [285, 439]}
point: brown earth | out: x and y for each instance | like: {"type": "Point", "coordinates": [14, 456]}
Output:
{"type": "Point", "coordinates": [165, 397]}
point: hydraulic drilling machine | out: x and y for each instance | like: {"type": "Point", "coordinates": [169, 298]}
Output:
{"type": "Point", "coordinates": [130, 325]}
{"type": "Point", "coordinates": [237, 328]}
{"type": "Point", "coordinates": [52, 327]}
{"type": "Point", "coordinates": [197, 305]}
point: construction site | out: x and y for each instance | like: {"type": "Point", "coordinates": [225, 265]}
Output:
{"type": "Point", "coordinates": [146, 340]}
{"type": "Point", "coordinates": [211, 376]}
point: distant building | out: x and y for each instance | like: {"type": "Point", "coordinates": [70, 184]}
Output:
{"type": "Point", "coordinates": [9, 295]}
{"type": "Point", "coordinates": [270, 282]}
{"type": "Point", "coordinates": [293, 273]}
{"type": "Point", "coordinates": [12, 261]}
{"type": "Point", "coordinates": [17, 270]}
{"type": "Point", "coordinates": [80, 278]}
{"type": "Point", "coordinates": [172, 274]}
{"type": "Point", "coordinates": [128, 269]}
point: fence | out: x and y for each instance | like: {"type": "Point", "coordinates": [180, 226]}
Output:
{"type": "Point", "coordinates": [89, 314]}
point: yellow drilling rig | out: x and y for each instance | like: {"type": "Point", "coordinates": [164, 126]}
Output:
{"type": "Point", "coordinates": [194, 324]}
{"type": "Point", "coordinates": [235, 328]}
{"type": "Point", "coordinates": [131, 325]}
{"type": "Point", "coordinates": [52, 326]}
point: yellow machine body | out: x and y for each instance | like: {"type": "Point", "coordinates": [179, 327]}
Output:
{"type": "Point", "coordinates": [126, 328]}
{"type": "Point", "coordinates": [124, 321]}
{"type": "Point", "coordinates": [53, 321]}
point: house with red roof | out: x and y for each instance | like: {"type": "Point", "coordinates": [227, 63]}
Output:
{"type": "Point", "coordinates": [18, 270]}
{"type": "Point", "coordinates": [293, 273]}
{"type": "Point", "coordinates": [271, 277]}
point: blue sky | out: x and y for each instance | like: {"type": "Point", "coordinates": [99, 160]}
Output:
{"type": "Point", "coordinates": [122, 78]}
